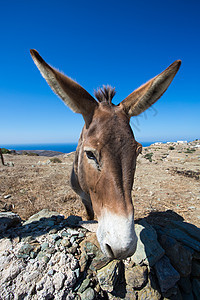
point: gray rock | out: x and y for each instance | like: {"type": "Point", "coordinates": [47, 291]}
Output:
{"type": "Point", "coordinates": [108, 275]}
{"type": "Point", "coordinates": [185, 284]}
{"type": "Point", "coordinates": [65, 234]}
{"type": "Point", "coordinates": [83, 261]}
{"type": "Point", "coordinates": [195, 268]}
{"type": "Point", "coordinates": [73, 220]}
{"type": "Point", "coordinates": [10, 164]}
{"type": "Point", "coordinates": [88, 294]}
{"type": "Point", "coordinates": [45, 213]}
{"type": "Point", "coordinates": [43, 257]}
{"type": "Point", "coordinates": [25, 249]}
{"type": "Point", "coordinates": [89, 225]}
{"type": "Point", "coordinates": [130, 294]}
{"type": "Point", "coordinates": [166, 274]}
{"type": "Point", "coordinates": [73, 232]}
{"type": "Point", "coordinates": [58, 281]}
{"type": "Point", "coordinates": [73, 239]}
{"type": "Point", "coordinates": [44, 246]}
{"type": "Point", "coordinates": [187, 296]}
{"type": "Point", "coordinates": [148, 293]}
{"type": "Point", "coordinates": [81, 235]}
{"type": "Point", "coordinates": [65, 242]}
{"type": "Point", "coordinates": [136, 277]}
{"type": "Point", "coordinates": [84, 285]}
{"type": "Point", "coordinates": [8, 220]}
{"type": "Point", "coordinates": [12, 271]}
{"type": "Point", "coordinates": [55, 237]}
{"type": "Point", "coordinates": [5, 244]}
{"type": "Point", "coordinates": [148, 249]}
{"type": "Point", "coordinates": [188, 228]}
{"type": "Point", "coordinates": [182, 237]}
{"type": "Point", "coordinates": [180, 257]}
{"type": "Point", "coordinates": [196, 287]}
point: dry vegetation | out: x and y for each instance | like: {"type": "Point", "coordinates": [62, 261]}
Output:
{"type": "Point", "coordinates": [166, 179]}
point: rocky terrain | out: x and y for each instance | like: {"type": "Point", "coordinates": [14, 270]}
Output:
{"type": "Point", "coordinates": [47, 252]}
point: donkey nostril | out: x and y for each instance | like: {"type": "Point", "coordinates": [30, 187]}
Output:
{"type": "Point", "coordinates": [109, 250]}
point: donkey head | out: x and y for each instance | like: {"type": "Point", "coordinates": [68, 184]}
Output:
{"type": "Point", "coordinates": [106, 155]}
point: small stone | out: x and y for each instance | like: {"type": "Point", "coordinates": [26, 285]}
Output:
{"type": "Point", "coordinates": [73, 239]}
{"type": "Point", "coordinates": [55, 237]}
{"type": "Point", "coordinates": [108, 275]}
{"type": "Point", "coordinates": [50, 272]}
{"type": "Point", "coordinates": [136, 277]}
{"type": "Point", "coordinates": [44, 246]}
{"type": "Point", "coordinates": [50, 250]}
{"type": "Point", "coordinates": [149, 293]}
{"type": "Point", "coordinates": [65, 234]}
{"type": "Point", "coordinates": [73, 220]}
{"type": "Point", "coordinates": [46, 259]}
{"type": "Point", "coordinates": [88, 294]}
{"type": "Point", "coordinates": [130, 294]}
{"type": "Point", "coordinates": [10, 164]}
{"type": "Point", "coordinates": [65, 242]}
{"type": "Point", "coordinates": [72, 232]}
{"type": "Point", "coordinates": [72, 249]}
{"type": "Point", "coordinates": [8, 220]}
{"type": "Point", "coordinates": [33, 254]}
{"type": "Point", "coordinates": [7, 196]}
{"type": "Point", "coordinates": [85, 284]}
{"type": "Point", "coordinates": [81, 235]}
{"type": "Point", "coordinates": [53, 231]}
{"type": "Point", "coordinates": [58, 281]}
{"type": "Point", "coordinates": [166, 274]}
{"type": "Point", "coordinates": [26, 249]}
{"type": "Point", "coordinates": [77, 272]}
{"type": "Point", "coordinates": [58, 242]}
{"type": "Point", "coordinates": [83, 261]}
{"type": "Point", "coordinates": [45, 213]}
{"type": "Point", "coordinates": [43, 257]}
{"type": "Point", "coordinates": [5, 244]}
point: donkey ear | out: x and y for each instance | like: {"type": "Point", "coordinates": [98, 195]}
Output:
{"type": "Point", "coordinates": [146, 95]}
{"type": "Point", "coordinates": [73, 95]}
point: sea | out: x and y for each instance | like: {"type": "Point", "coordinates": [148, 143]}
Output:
{"type": "Point", "coordinates": [65, 148]}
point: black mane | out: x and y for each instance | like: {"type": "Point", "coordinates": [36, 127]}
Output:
{"type": "Point", "coordinates": [105, 94]}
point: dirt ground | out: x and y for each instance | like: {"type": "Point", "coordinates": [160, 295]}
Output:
{"type": "Point", "coordinates": [166, 179]}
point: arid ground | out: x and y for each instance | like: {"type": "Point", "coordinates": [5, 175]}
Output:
{"type": "Point", "coordinates": [167, 179]}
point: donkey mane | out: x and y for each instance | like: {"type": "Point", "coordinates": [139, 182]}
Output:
{"type": "Point", "coordinates": [105, 94]}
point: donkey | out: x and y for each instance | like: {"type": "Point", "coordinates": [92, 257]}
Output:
{"type": "Point", "coordinates": [105, 158]}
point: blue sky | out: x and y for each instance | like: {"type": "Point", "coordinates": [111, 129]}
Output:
{"type": "Point", "coordinates": [121, 43]}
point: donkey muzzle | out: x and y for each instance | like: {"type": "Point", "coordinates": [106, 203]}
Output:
{"type": "Point", "coordinates": [116, 235]}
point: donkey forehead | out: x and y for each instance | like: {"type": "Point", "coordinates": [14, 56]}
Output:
{"type": "Point", "coordinates": [109, 125]}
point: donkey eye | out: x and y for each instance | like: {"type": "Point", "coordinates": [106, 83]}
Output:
{"type": "Point", "coordinates": [90, 155]}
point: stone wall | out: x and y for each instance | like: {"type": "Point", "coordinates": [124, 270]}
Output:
{"type": "Point", "coordinates": [49, 257]}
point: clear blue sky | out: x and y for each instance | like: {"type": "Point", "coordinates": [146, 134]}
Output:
{"type": "Point", "coordinates": [121, 43]}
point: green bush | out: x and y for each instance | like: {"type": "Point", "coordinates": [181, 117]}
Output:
{"type": "Point", "coordinates": [192, 150]}
{"type": "Point", "coordinates": [5, 151]}
{"type": "Point", "coordinates": [32, 154]}
{"type": "Point", "coordinates": [55, 160]}
{"type": "Point", "coordinates": [171, 148]}
{"type": "Point", "coordinates": [149, 156]}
